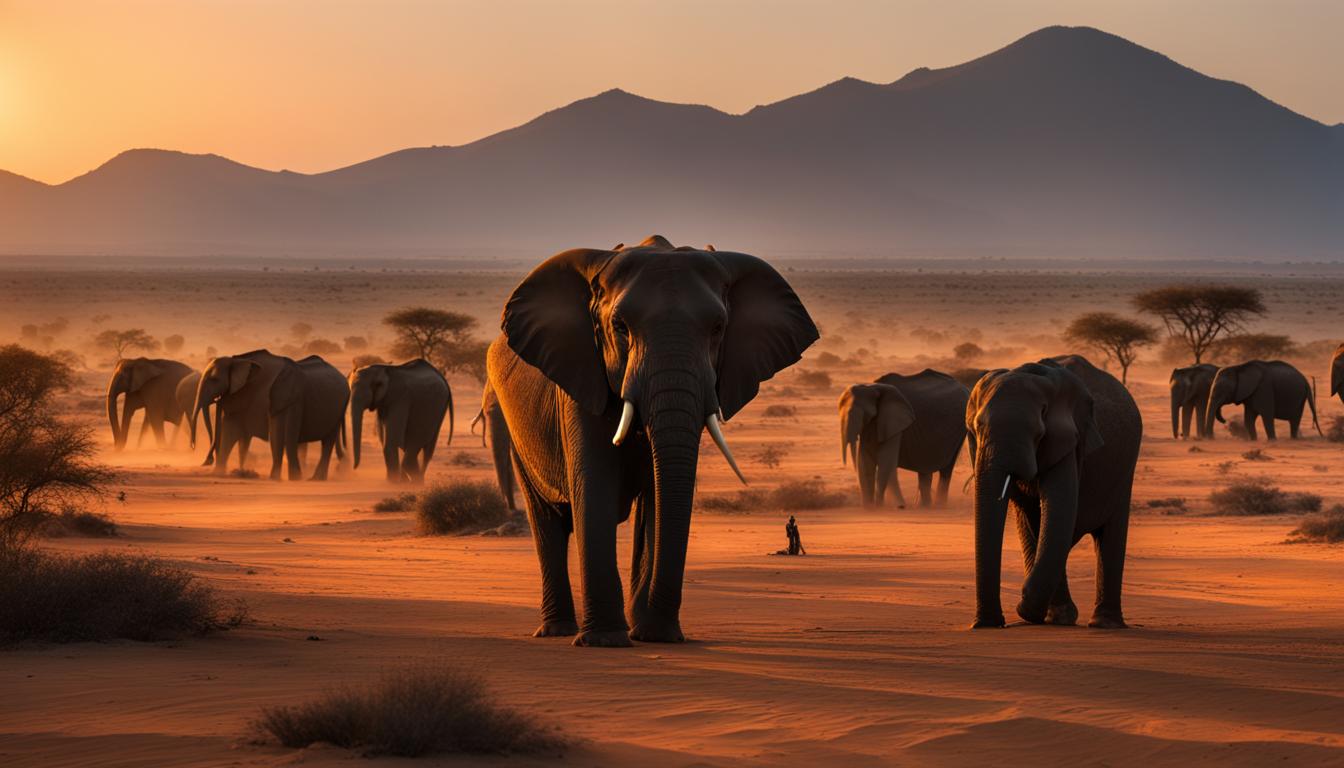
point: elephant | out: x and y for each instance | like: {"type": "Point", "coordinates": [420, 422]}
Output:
{"type": "Point", "coordinates": [491, 417]}
{"type": "Point", "coordinates": [410, 400]}
{"type": "Point", "coordinates": [912, 422]}
{"type": "Point", "coordinates": [1058, 440]}
{"type": "Point", "coordinates": [1267, 390]}
{"type": "Point", "coordinates": [149, 384]}
{"type": "Point", "coordinates": [609, 366]}
{"type": "Point", "coordinates": [1190, 398]}
{"type": "Point", "coordinates": [186, 398]}
{"type": "Point", "coordinates": [273, 398]}
{"type": "Point", "coordinates": [1337, 374]}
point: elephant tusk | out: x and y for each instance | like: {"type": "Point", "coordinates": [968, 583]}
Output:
{"type": "Point", "coordinates": [627, 416]}
{"type": "Point", "coordinates": [1006, 480]}
{"type": "Point", "coordinates": [712, 422]}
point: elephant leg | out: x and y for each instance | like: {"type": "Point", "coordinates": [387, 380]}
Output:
{"type": "Point", "coordinates": [392, 460]}
{"type": "Point", "coordinates": [410, 465]}
{"type": "Point", "coordinates": [324, 460]}
{"type": "Point", "coordinates": [1268, 421]}
{"type": "Point", "coordinates": [866, 466]}
{"type": "Point", "coordinates": [1203, 430]}
{"type": "Point", "coordinates": [641, 559]}
{"type": "Point", "coordinates": [277, 442]}
{"type": "Point", "coordinates": [550, 534]}
{"type": "Point", "coordinates": [1109, 543]}
{"type": "Point", "coordinates": [144, 430]}
{"type": "Point", "coordinates": [228, 435]}
{"type": "Point", "coordinates": [160, 440]}
{"type": "Point", "coordinates": [1187, 412]}
{"type": "Point", "coordinates": [1062, 609]}
{"type": "Point", "coordinates": [595, 517]}
{"type": "Point", "coordinates": [244, 447]}
{"type": "Point", "coordinates": [887, 478]}
{"type": "Point", "coordinates": [925, 489]}
{"type": "Point", "coordinates": [1295, 426]}
{"type": "Point", "coordinates": [944, 482]}
{"type": "Point", "coordinates": [1248, 420]}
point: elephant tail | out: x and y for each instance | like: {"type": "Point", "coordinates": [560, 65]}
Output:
{"type": "Point", "coordinates": [340, 442]}
{"type": "Point", "coordinates": [1312, 402]}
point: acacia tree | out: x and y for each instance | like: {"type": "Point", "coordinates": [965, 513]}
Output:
{"type": "Point", "coordinates": [443, 338]}
{"type": "Point", "coordinates": [123, 341]}
{"type": "Point", "coordinates": [1199, 315]}
{"type": "Point", "coordinates": [1118, 337]}
{"type": "Point", "coordinates": [1251, 346]}
{"type": "Point", "coordinates": [45, 460]}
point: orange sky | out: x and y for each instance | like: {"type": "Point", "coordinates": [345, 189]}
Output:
{"type": "Point", "coordinates": [315, 84]}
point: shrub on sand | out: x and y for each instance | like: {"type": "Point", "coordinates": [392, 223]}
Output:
{"type": "Point", "coordinates": [402, 503]}
{"type": "Point", "coordinates": [106, 596]}
{"type": "Point", "coordinates": [1335, 432]}
{"type": "Point", "coordinates": [781, 411]}
{"type": "Point", "coordinates": [1258, 496]}
{"type": "Point", "coordinates": [79, 522]}
{"type": "Point", "coordinates": [792, 496]}
{"type": "Point", "coordinates": [408, 714]}
{"type": "Point", "coordinates": [462, 506]}
{"type": "Point", "coordinates": [1326, 527]}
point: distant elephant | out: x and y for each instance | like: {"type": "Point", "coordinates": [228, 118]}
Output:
{"type": "Point", "coordinates": [911, 422]}
{"type": "Point", "coordinates": [1058, 440]}
{"type": "Point", "coordinates": [186, 398]}
{"type": "Point", "coordinates": [1190, 398]}
{"type": "Point", "coordinates": [149, 384]}
{"type": "Point", "coordinates": [1267, 391]}
{"type": "Point", "coordinates": [611, 365]}
{"type": "Point", "coordinates": [410, 401]}
{"type": "Point", "coordinates": [1337, 373]}
{"type": "Point", "coordinates": [274, 398]}
{"type": "Point", "coordinates": [501, 445]}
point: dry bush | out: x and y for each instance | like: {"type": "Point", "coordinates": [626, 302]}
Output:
{"type": "Point", "coordinates": [462, 506]}
{"type": "Point", "coordinates": [78, 522]}
{"type": "Point", "coordinates": [1335, 432]}
{"type": "Point", "coordinates": [1257, 454]}
{"type": "Point", "coordinates": [402, 503]}
{"type": "Point", "coordinates": [1174, 503]}
{"type": "Point", "coordinates": [813, 379]}
{"type": "Point", "coordinates": [776, 411]}
{"type": "Point", "coordinates": [1326, 527]}
{"type": "Point", "coordinates": [968, 351]}
{"type": "Point", "coordinates": [1237, 429]}
{"type": "Point", "coordinates": [793, 495]}
{"type": "Point", "coordinates": [771, 456]}
{"type": "Point", "coordinates": [1258, 496]}
{"type": "Point", "coordinates": [106, 596]}
{"type": "Point", "coordinates": [411, 713]}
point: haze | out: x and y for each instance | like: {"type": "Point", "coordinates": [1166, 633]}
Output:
{"type": "Point", "coordinates": [311, 85]}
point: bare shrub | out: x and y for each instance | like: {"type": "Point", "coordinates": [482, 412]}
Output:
{"type": "Point", "coordinates": [402, 503]}
{"type": "Point", "coordinates": [772, 456]}
{"type": "Point", "coordinates": [792, 495]}
{"type": "Point", "coordinates": [411, 713]}
{"type": "Point", "coordinates": [78, 522]}
{"type": "Point", "coordinates": [779, 411]}
{"type": "Point", "coordinates": [63, 598]}
{"type": "Point", "coordinates": [1335, 432]}
{"type": "Point", "coordinates": [1172, 503]}
{"type": "Point", "coordinates": [1326, 527]}
{"type": "Point", "coordinates": [1258, 496]}
{"type": "Point", "coordinates": [462, 506]}
{"type": "Point", "coordinates": [1257, 454]}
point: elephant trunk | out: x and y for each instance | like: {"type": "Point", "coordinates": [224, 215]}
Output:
{"type": "Point", "coordinates": [1176, 402]}
{"type": "Point", "coordinates": [359, 402]}
{"type": "Point", "coordinates": [113, 391]}
{"type": "Point", "coordinates": [676, 416]}
{"type": "Point", "coordinates": [849, 436]}
{"type": "Point", "coordinates": [991, 510]}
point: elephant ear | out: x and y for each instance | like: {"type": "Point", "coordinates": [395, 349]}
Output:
{"type": "Point", "coordinates": [894, 414]}
{"type": "Point", "coordinates": [287, 388]}
{"type": "Point", "coordinates": [239, 373]}
{"type": "Point", "coordinates": [141, 372]}
{"type": "Point", "coordinates": [1070, 425]}
{"type": "Point", "coordinates": [1248, 380]}
{"type": "Point", "coordinates": [768, 329]}
{"type": "Point", "coordinates": [380, 379]}
{"type": "Point", "coordinates": [548, 323]}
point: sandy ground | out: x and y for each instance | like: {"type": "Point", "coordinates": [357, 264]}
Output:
{"type": "Point", "coordinates": [857, 654]}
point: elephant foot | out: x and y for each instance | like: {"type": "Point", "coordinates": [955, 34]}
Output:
{"type": "Point", "coordinates": [652, 630]}
{"type": "Point", "coordinates": [612, 638]}
{"type": "Point", "coordinates": [567, 628]}
{"type": "Point", "coordinates": [1107, 621]}
{"type": "Point", "coordinates": [1031, 614]}
{"type": "Point", "coordinates": [994, 621]}
{"type": "Point", "coordinates": [1064, 615]}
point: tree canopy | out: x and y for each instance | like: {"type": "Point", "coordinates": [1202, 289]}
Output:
{"type": "Point", "coordinates": [1200, 314]}
{"type": "Point", "coordinates": [123, 341]}
{"type": "Point", "coordinates": [442, 337]}
{"type": "Point", "coordinates": [1118, 337]}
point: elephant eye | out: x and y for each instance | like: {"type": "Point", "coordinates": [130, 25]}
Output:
{"type": "Point", "coordinates": [718, 328]}
{"type": "Point", "coordinates": [620, 327]}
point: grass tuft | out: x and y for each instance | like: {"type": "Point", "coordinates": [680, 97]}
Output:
{"type": "Point", "coordinates": [411, 713]}
{"type": "Point", "coordinates": [69, 598]}
{"type": "Point", "coordinates": [462, 506]}
{"type": "Point", "coordinates": [403, 503]}
{"type": "Point", "coordinates": [1258, 496]}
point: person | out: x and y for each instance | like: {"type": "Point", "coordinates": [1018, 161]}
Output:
{"type": "Point", "coordinates": [795, 540]}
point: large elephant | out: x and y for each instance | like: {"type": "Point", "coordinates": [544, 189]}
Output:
{"type": "Point", "coordinates": [410, 401]}
{"type": "Point", "coordinates": [1266, 390]}
{"type": "Point", "coordinates": [1058, 440]}
{"type": "Point", "coordinates": [1337, 373]}
{"type": "Point", "coordinates": [491, 418]}
{"type": "Point", "coordinates": [610, 366]}
{"type": "Point", "coordinates": [273, 398]}
{"type": "Point", "coordinates": [1190, 399]}
{"type": "Point", "coordinates": [186, 400]}
{"type": "Point", "coordinates": [149, 384]}
{"type": "Point", "coordinates": [911, 422]}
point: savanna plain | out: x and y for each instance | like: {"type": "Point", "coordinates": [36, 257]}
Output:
{"type": "Point", "coordinates": [856, 654]}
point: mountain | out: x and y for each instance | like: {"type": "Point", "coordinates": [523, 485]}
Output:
{"type": "Point", "coordinates": [1069, 142]}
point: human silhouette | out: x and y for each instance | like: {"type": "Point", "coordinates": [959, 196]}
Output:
{"type": "Point", "coordinates": [795, 540]}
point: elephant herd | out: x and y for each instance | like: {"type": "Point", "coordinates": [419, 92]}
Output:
{"type": "Point", "coordinates": [289, 404]}
{"type": "Point", "coordinates": [1268, 391]}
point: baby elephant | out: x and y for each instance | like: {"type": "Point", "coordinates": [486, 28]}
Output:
{"type": "Point", "coordinates": [1058, 440]}
{"type": "Point", "coordinates": [910, 422]}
